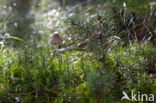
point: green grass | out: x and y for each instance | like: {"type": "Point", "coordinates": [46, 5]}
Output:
{"type": "Point", "coordinates": [33, 74]}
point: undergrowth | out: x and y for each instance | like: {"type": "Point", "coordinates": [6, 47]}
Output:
{"type": "Point", "coordinates": [98, 71]}
{"type": "Point", "coordinates": [34, 74]}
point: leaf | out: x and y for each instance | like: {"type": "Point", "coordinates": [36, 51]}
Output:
{"type": "Point", "coordinates": [17, 38]}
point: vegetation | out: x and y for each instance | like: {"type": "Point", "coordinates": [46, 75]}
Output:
{"type": "Point", "coordinates": [108, 48]}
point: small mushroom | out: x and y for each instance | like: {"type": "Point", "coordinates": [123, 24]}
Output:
{"type": "Point", "coordinates": [55, 39]}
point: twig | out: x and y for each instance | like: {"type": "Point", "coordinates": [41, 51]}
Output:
{"type": "Point", "coordinates": [61, 50]}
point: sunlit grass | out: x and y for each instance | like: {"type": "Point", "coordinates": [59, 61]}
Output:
{"type": "Point", "coordinates": [72, 76]}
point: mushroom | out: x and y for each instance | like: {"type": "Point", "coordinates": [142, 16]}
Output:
{"type": "Point", "coordinates": [55, 39]}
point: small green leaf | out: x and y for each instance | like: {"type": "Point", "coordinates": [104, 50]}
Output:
{"type": "Point", "coordinates": [17, 38]}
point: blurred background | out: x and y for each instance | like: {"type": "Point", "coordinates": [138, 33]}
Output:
{"type": "Point", "coordinates": [31, 18]}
